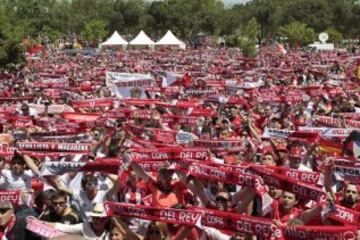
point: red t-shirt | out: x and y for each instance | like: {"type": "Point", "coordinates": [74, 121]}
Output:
{"type": "Point", "coordinates": [284, 218]}
{"type": "Point", "coordinates": [340, 201]}
{"type": "Point", "coordinates": [167, 199]}
{"type": "Point", "coordinates": [135, 194]}
{"type": "Point", "coordinates": [317, 220]}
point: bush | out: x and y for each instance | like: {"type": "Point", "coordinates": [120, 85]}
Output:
{"type": "Point", "coordinates": [248, 47]}
{"type": "Point", "coordinates": [232, 41]}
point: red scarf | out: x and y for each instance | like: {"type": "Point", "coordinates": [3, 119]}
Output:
{"type": "Point", "coordinates": [8, 227]}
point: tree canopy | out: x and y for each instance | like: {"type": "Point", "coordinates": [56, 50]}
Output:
{"type": "Point", "coordinates": [94, 19]}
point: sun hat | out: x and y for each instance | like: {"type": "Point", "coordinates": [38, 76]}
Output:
{"type": "Point", "coordinates": [97, 211]}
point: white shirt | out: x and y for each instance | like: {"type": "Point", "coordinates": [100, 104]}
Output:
{"type": "Point", "coordinates": [304, 168]}
{"type": "Point", "coordinates": [104, 182]}
{"type": "Point", "coordinates": [2, 183]}
{"type": "Point", "coordinates": [82, 229]}
{"type": "Point", "coordinates": [85, 204]}
{"type": "Point", "coordinates": [72, 183]}
{"type": "Point", "coordinates": [213, 234]}
{"type": "Point", "coordinates": [13, 182]}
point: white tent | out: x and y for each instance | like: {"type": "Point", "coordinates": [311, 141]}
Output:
{"type": "Point", "coordinates": [322, 46]}
{"type": "Point", "coordinates": [170, 39]}
{"type": "Point", "coordinates": [114, 40]}
{"type": "Point", "coordinates": [142, 39]}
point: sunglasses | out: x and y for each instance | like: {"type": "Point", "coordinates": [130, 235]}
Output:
{"type": "Point", "coordinates": [91, 184]}
{"type": "Point", "coordinates": [221, 199]}
{"type": "Point", "coordinates": [4, 210]}
{"type": "Point", "coordinates": [61, 204]}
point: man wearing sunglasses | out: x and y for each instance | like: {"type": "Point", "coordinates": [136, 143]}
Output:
{"type": "Point", "coordinates": [59, 211]}
{"type": "Point", "coordinates": [12, 227]}
{"type": "Point", "coordinates": [89, 194]}
{"type": "Point", "coordinates": [97, 228]}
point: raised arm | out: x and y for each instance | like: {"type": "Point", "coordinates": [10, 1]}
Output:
{"type": "Point", "coordinates": [116, 185]}
{"type": "Point", "coordinates": [139, 171]}
{"type": "Point", "coordinates": [244, 198]}
{"type": "Point", "coordinates": [309, 214]}
{"type": "Point", "coordinates": [30, 163]}
{"type": "Point", "coordinates": [58, 186]}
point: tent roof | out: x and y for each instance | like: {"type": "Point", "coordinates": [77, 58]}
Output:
{"type": "Point", "coordinates": [169, 39]}
{"type": "Point", "coordinates": [115, 39]}
{"type": "Point", "coordinates": [322, 46]}
{"type": "Point", "coordinates": [142, 39]}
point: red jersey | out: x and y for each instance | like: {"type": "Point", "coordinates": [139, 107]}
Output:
{"type": "Point", "coordinates": [169, 198]}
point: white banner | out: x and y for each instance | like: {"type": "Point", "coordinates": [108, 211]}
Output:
{"type": "Point", "coordinates": [328, 132]}
{"type": "Point", "coordinates": [276, 133]}
{"type": "Point", "coordinates": [36, 109]}
{"type": "Point", "coordinates": [184, 138]}
{"type": "Point", "coordinates": [128, 85]}
{"type": "Point", "coordinates": [58, 168]}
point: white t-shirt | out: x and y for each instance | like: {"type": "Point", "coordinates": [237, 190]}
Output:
{"type": "Point", "coordinates": [72, 183]}
{"type": "Point", "coordinates": [104, 183]}
{"type": "Point", "coordinates": [304, 168]}
{"type": "Point", "coordinates": [82, 229]}
{"type": "Point", "coordinates": [14, 182]}
{"type": "Point", "coordinates": [85, 204]}
{"type": "Point", "coordinates": [214, 234]}
{"type": "Point", "coordinates": [2, 183]}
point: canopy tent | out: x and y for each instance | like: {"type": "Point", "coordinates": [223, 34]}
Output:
{"type": "Point", "coordinates": [114, 40]}
{"type": "Point", "coordinates": [170, 39]}
{"type": "Point", "coordinates": [142, 39]}
{"type": "Point", "coordinates": [322, 46]}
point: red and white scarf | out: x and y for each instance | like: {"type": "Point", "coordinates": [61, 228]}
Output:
{"type": "Point", "coordinates": [8, 228]}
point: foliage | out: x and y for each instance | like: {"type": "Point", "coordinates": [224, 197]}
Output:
{"type": "Point", "coordinates": [249, 37]}
{"type": "Point", "coordinates": [251, 30]}
{"type": "Point", "coordinates": [298, 33]}
{"type": "Point", "coordinates": [11, 51]}
{"type": "Point", "coordinates": [94, 30]}
{"type": "Point", "coordinates": [247, 47]}
{"type": "Point", "coordinates": [334, 36]}
{"type": "Point", "coordinates": [232, 41]}
{"type": "Point", "coordinates": [54, 18]}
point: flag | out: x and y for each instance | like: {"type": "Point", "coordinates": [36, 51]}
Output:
{"type": "Point", "coordinates": [172, 79]}
{"type": "Point", "coordinates": [280, 48]}
{"type": "Point", "coordinates": [329, 147]}
{"type": "Point", "coordinates": [351, 145]}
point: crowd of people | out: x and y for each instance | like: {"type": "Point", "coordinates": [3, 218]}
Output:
{"type": "Point", "coordinates": [167, 144]}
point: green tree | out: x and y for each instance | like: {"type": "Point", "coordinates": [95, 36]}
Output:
{"type": "Point", "coordinates": [334, 36]}
{"type": "Point", "coordinates": [298, 33]}
{"type": "Point", "coordinates": [11, 51]}
{"type": "Point", "coordinates": [94, 30]}
{"type": "Point", "coordinates": [249, 38]}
